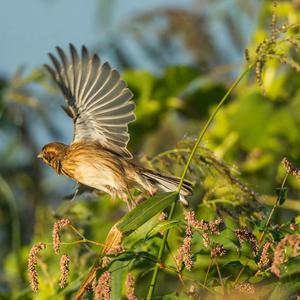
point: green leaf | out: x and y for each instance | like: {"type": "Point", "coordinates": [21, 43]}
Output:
{"type": "Point", "coordinates": [118, 274]}
{"type": "Point", "coordinates": [161, 227]}
{"type": "Point", "coordinates": [175, 81]}
{"type": "Point", "coordinates": [145, 211]}
{"type": "Point", "coordinates": [284, 290]}
{"type": "Point", "coordinates": [291, 268]}
{"type": "Point", "coordinates": [249, 128]}
{"type": "Point", "coordinates": [130, 256]}
{"type": "Point", "coordinates": [141, 83]}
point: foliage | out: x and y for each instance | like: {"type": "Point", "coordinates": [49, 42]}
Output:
{"type": "Point", "coordinates": [234, 240]}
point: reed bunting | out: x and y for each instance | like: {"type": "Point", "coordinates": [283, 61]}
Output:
{"type": "Point", "coordinates": [100, 105]}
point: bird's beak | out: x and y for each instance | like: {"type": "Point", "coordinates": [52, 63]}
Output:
{"type": "Point", "coordinates": [40, 155]}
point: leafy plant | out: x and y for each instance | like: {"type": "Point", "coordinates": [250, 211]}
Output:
{"type": "Point", "coordinates": [229, 242]}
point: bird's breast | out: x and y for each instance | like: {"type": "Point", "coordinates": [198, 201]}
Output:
{"type": "Point", "coordinates": [96, 171]}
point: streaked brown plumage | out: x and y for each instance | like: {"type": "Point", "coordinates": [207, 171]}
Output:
{"type": "Point", "coordinates": [100, 104]}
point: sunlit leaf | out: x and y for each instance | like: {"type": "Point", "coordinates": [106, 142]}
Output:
{"type": "Point", "coordinates": [161, 227]}
{"type": "Point", "coordinates": [145, 211]}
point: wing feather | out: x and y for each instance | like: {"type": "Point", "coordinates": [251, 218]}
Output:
{"type": "Point", "coordinates": [97, 98]}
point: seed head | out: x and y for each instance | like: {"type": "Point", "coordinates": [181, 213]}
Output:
{"type": "Point", "coordinates": [32, 262]}
{"type": "Point", "coordinates": [294, 171]}
{"type": "Point", "coordinates": [57, 227]}
{"type": "Point", "coordinates": [130, 283]}
{"type": "Point", "coordinates": [245, 288]}
{"type": "Point", "coordinates": [219, 250]}
{"type": "Point", "coordinates": [212, 227]}
{"type": "Point", "coordinates": [102, 289]}
{"type": "Point", "coordinates": [184, 252]}
{"type": "Point", "coordinates": [64, 270]}
{"type": "Point", "coordinates": [247, 56]}
{"type": "Point", "coordinates": [206, 240]}
{"type": "Point", "coordinates": [264, 258]}
{"type": "Point", "coordinates": [294, 226]}
{"type": "Point", "coordinates": [245, 235]}
{"type": "Point", "coordinates": [290, 240]}
{"type": "Point", "coordinates": [117, 249]}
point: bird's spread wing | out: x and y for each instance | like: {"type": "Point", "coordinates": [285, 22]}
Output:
{"type": "Point", "coordinates": [98, 100]}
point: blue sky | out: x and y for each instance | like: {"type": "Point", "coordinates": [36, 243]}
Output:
{"type": "Point", "coordinates": [29, 29]}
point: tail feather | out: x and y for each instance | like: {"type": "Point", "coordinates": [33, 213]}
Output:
{"type": "Point", "coordinates": [169, 183]}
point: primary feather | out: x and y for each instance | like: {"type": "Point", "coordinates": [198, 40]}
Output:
{"type": "Point", "coordinates": [98, 100]}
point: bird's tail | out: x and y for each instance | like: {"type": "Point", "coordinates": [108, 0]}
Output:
{"type": "Point", "coordinates": [168, 183]}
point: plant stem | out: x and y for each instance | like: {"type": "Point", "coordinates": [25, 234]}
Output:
{"type": "Point", "coordinates": [207, 272]}
{"type": "Point", "coordinates": [8, 195]}
{"type": "Point", "coordinates": [173, 207]}
{"type": "Point", "coordinates": [192, 279]}
{"type": "Point", "coordinates": [220, 275]}
{"type": "Point", "coordinates": [266, 225]}
{"type": "Point", "coordinates": [273, 208]}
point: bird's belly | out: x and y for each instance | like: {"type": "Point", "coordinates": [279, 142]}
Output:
{"type": "Point", "coordinates": [97, 176]}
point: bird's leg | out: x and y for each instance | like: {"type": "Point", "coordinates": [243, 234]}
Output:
{"type": "Point", "coordinates": [153, 191]}
{"type": "Point", "coordinates": [129, 207]}
{"type": "Point", "coordinates": [128, 202]}
{"type": "Point", "coordinates": [142, 196]}
{"type": "Point", "coordinates": [132, 203]}
{"type": "Point", "coordinates": [76, 191]}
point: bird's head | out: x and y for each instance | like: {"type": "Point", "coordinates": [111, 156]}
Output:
{"type": "Point", "coordinates": [52, 154]}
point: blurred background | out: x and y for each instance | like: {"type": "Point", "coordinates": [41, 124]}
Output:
{"type": "Point", "coordinates": [179, 57]}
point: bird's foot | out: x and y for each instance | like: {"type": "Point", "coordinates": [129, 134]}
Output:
{"type": "Point", "coordinates": [76, 187]}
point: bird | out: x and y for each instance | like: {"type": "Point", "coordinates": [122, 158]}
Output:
{"type": "Point", "coordinates": [101, 106]}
